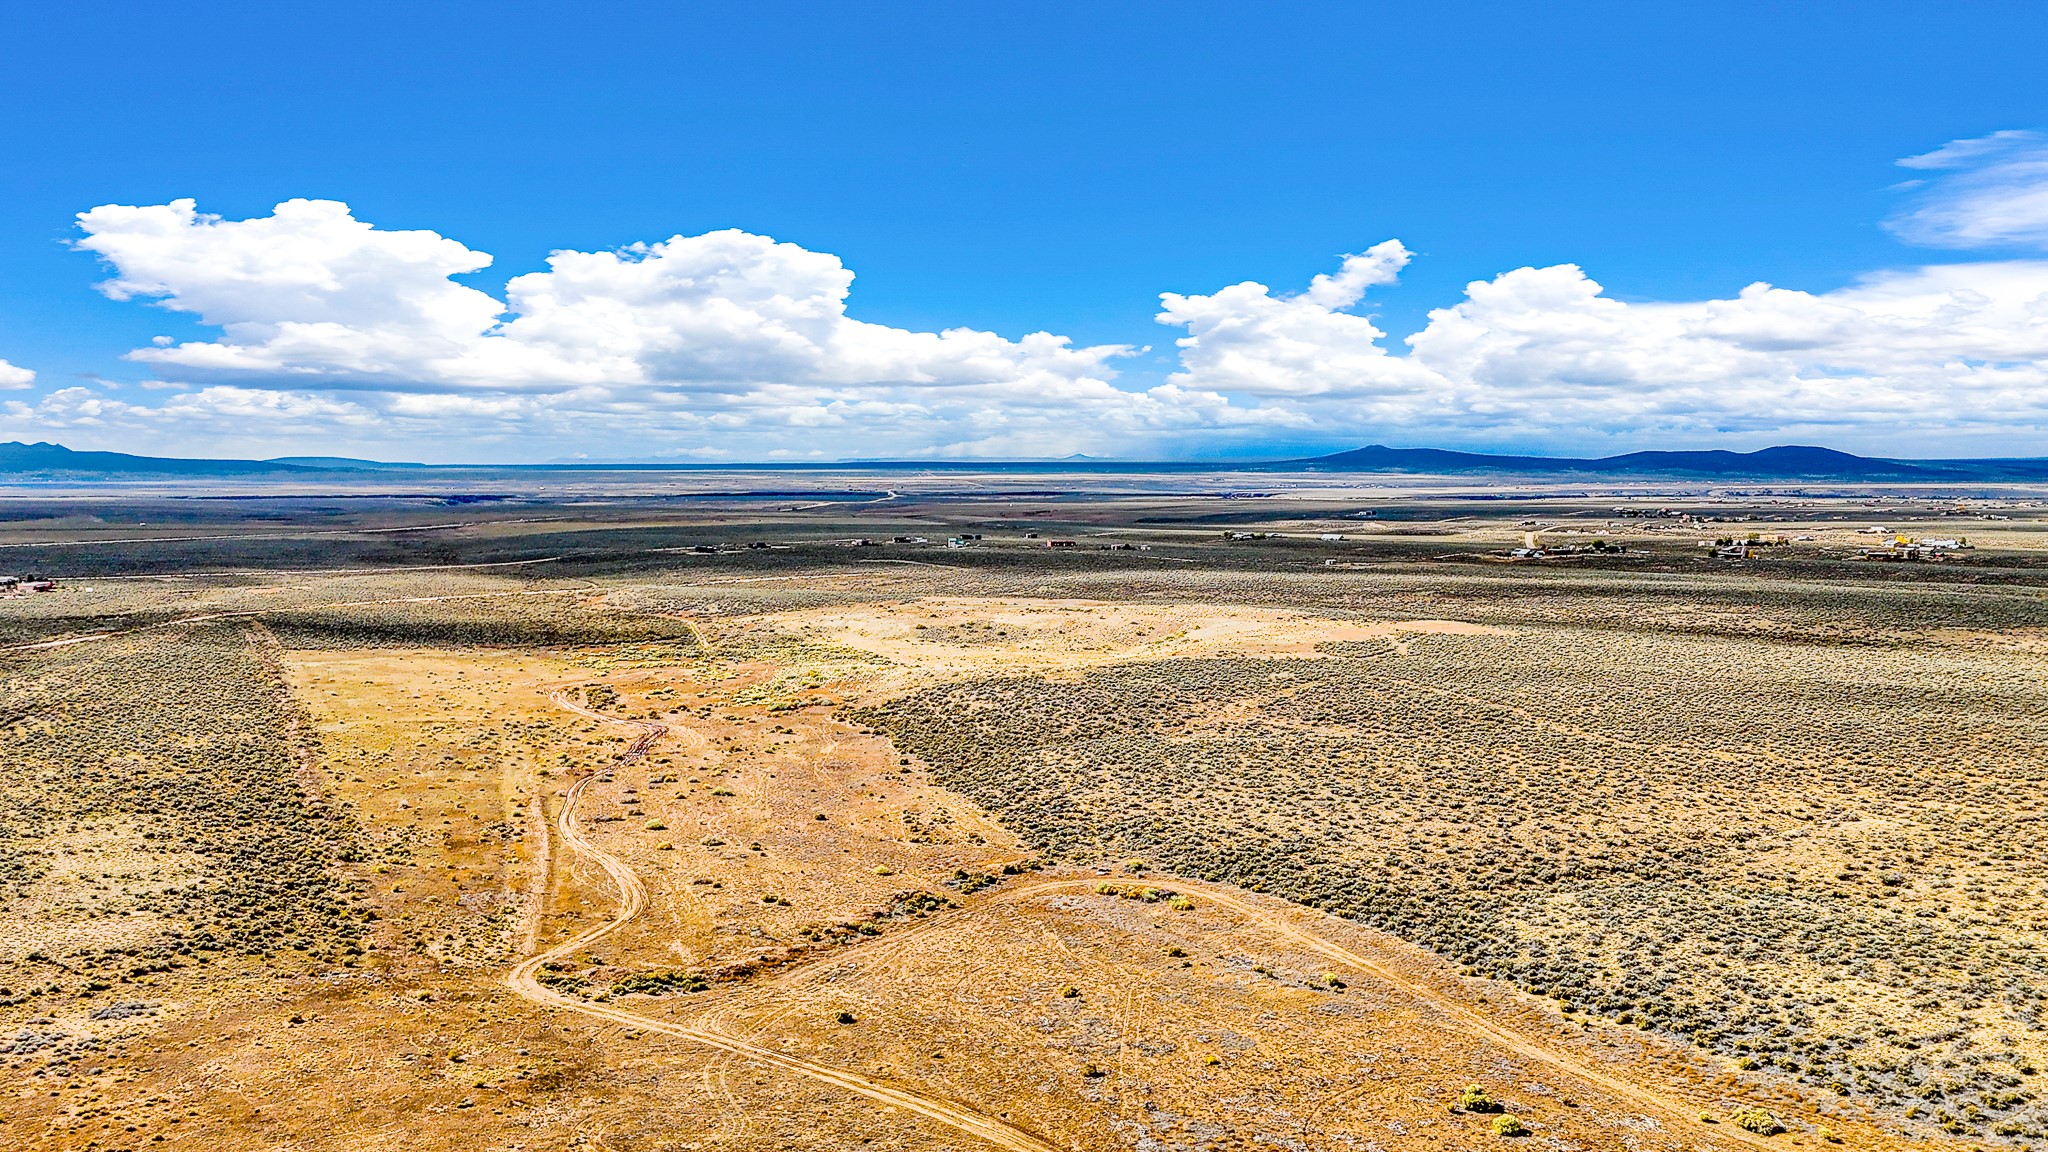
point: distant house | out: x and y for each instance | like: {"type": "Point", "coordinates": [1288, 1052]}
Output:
{"type": "Point", "coordinates": [1907, 548]}
{"type": "Point", "coordinates": [1061, 544]}
{"type": "Point", "coordinates": [1331, 536]}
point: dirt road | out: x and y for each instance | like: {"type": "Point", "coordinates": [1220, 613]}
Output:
{"type": "Point", "coordinates": [524, 979]}
{"type": "Point", "coordinates": [1677, 1115]}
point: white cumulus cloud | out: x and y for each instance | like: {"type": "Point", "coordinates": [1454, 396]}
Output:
{"type": "Point", "coordinates": [1246, 341]}
{"type": "Point", "coordinates": [1544, 353]}
{"type": "Point", "coordinates": [697, 343]}
{"type": "Point", "coordinates": [306, 291]}
{"type": "Point", "coordinates": [337, 335]}
{"type": "Point", "coordinates": [692, 336]}
{"type": "Point", "coordinates": [217, 419]}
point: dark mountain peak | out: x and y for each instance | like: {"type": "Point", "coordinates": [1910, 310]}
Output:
{"type": "Point", "coordinates": [1379, 457]}
{"type": "Point", "coordinates": [43, 458]}
{"type": "Point", "coordinates": [1785, 461]}
{"type": "Point", "coordinates": [1782, 460]}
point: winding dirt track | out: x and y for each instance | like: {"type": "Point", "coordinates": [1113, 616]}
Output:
{"type": "Point", "coordinates": [632, 897]}
{"type": "Point", "coordinates": [1677, 1114]}
{"type": "Point", "coordinates": [1472, 1021]}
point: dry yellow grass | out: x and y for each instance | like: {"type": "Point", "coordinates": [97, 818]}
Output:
{"type": "Point", "coordinates": [870, 974]}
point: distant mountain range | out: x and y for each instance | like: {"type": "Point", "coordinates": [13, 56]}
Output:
{"type": "Point", "coordinates": [55, 460]}
{"type": "Point", "coordinates": [1786, 462]}
{"type": "Point", "coordinates": [17, 459]}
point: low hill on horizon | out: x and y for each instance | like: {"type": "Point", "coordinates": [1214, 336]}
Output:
{"type": "Point", "coordinates": [1788, 461]}
{"type": "Point", "coordinates": [343, 463]}
{"type": "Point", "coordinates": [43, 458]}
{"type": "Point", "coordinates": [1782, 462]}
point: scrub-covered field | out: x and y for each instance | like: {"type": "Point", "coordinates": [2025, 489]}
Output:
{"type": "Point", "coordinates": [373, 824]}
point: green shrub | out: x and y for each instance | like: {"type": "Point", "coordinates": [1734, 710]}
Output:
{"type": "Point", "coordinates": [659, 983]}
{"type": "Point", "coordinates": [1475, 1099]}
{"type": "Point", "coordinates": [1758, 1120]}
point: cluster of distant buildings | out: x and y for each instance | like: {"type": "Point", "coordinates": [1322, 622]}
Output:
{"type": "Point", "coordinates": [1906, 548]}
{"type": "Point", "coordinates": [1898, 547]}
{"type": "Point", "coordinates": [1117, 546]}
{"type": "Point", "coordinates": [1533, 551]}
{"type": "Point", "coordinates": [16, 585]}
{"type": "Point", "coordinates": [970, 539]}
{"type": "Point", "coordinates": [1729, 548]}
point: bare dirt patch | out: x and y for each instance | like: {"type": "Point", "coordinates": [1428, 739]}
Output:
{"type": "Point", "coordinates": [899, 864]}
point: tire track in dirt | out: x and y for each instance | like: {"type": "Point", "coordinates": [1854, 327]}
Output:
{"type": "Point", "coordinates": [523, 979]}
{"type": "Point", "coordinates": [1673, 1112]}
{"type": "Point", "coordinates": [1287, 927]}
{"type": "Point", "coordinates": [1653, 1101]}
{"type": "Point", "coordinates": [538, 881]}
{"type": "Point", "coordinates": [691, 916]}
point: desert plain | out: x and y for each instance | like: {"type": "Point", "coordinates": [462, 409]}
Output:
{"type": "Point", "coordinates": [960, 813]}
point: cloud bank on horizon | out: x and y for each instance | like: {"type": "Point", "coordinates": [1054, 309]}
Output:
{"type": "Point", "coordinates": [730, 345]}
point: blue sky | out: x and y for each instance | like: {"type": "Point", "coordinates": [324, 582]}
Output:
{"type": "Point", "coordinates": [1024, 168]}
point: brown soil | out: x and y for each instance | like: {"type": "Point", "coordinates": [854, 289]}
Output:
{"type": "Point", "coordinates": [868, 975]}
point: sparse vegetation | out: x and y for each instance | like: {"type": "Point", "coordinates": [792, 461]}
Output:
{"type": "Point", "coordinates": [1779, 819]}
{"type": "Point", "coordinates": [659, 984]}
{"type": "Point", "coordinates": [1758, 1120]}
{"type": "Point", "coordinates": [188, 750]}
{"type": "Point", "coordinates": [1741, 856]}
{"type": "Point", "coordinates": [1476, 1099]}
